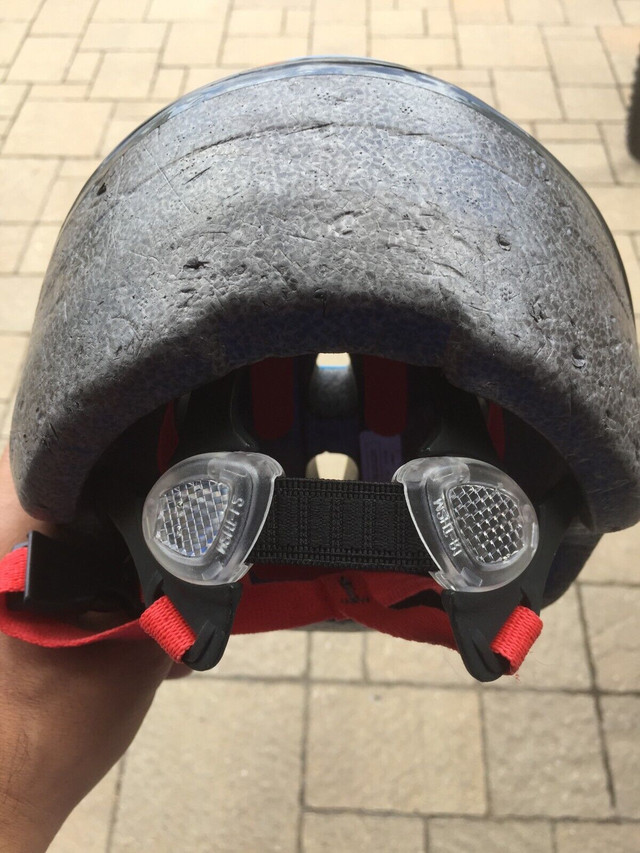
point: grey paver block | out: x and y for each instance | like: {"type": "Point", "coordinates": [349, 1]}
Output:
{"type": "Point", "coordinates": [44, 128]}
{"type": "Point", "coordinates": [18, 300]}
{"type": "Point", "coordinates": [588, 837]}
{"type": "Point", "coordinates": [355, 833]}
{"type": "Point", "coordinates": [615, 558]}
{"type": "Point", "coordinates": [614, 634]}
{"type": "Point", "coordinates": [216, 766]}
{"type": "Point", "coordinates": [392, 659]}
{"type": "Point", "coordinates": [622, 733]}
{"type": "Point", "coordinates": [275, 653]}
{"type": "Point", "coordinates": [400, 749]}
{"type": "Point", "coordinates": [12, 351]}
{"type": "Point", "coordinates": [544, 755]}
{"type": "Point", "coordinates": [454, 835]}
{"type": "Point", "coordinates": [337, 655]}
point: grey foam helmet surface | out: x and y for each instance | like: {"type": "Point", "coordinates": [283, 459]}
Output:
{"type": "Point", "coordinates": [332, 205]}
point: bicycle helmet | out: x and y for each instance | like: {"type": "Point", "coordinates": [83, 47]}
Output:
{"type": "Point", "coordinates": [172, 398]}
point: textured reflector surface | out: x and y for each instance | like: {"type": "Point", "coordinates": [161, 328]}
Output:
{"type": "Point", "coordinates": [488, 520]}
{"type": "Point", "coordinates": [190, 515]}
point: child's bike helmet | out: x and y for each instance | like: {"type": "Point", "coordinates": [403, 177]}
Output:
{"type": "Point", "coordinates": [172, 398]}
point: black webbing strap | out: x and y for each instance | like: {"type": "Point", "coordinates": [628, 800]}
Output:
{"type": "Point", "coordinates": [341, 524]}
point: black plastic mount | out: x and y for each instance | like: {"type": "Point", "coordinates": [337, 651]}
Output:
{"type": "Point", "coordinates": [476, 617]}
{"type": "Point", "coordinates": [208, 610]}
{"type": "Point", "coordinates": [64, 580]}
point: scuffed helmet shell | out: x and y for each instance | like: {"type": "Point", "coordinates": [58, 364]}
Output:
{"type": "Point", "coordinates": [329, 206]}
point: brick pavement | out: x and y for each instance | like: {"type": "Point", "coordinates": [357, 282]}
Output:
{"type": "Point", "coordinates": [324, 742]}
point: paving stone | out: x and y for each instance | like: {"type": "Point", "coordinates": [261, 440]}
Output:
{"type": "Point", "coordinates": [24, 184]}
{"type": "Point", "coordinates": [621, 44]}
{"type": "Point", "coordinates": [76, 167]}
{"type": "Point", "coordinates": [214, 760]}
{"type": "Point", "coordinates": [355, 833]}
{"type": "Point", "coordinates": [526, 94]}
{"type": "Point", "coordinates": [574, 32]}
{"type": "Point", "coordinates": [62, 17]}
{"type": "Point", "coordinates": [39, 249]}
{"type": "Point", "coordinates": [560, 131]}
{"type": "Point", "coordinates": [601, 103]}
{"type": "Point", "coordinates": [339, 39]}
{"type": "Point", "coordinates": [415, 51]}
{"type": "Point", "coordinates": [480, 11]}
{"type": "Point", "coordinates": [614, 635]}
{"type": "Point", "coordinates": [12, 350]}
{"type": "Point", "coordinates": [58, 92]}
{"type": "Point", "coordinates": [625, 168]}
{"type": "Point", "coordinates": [275, 653]}
{"type": "Point", "coordinates": [168, 84]}
{"type": "Point", "coordinates": [393, 659]}
{"type": "Point", "coordinates": [262, 51]}
{"type": "Point", "coordinates": [43, 59]}
{"type": "Point", "coordinates": [393, 22]}
{"type": "Point", "coordinates": [463, 77]}
{"type": "Point", "coordinates": [84, 66]}
{"type": "Point", "coordinates": [618, 205]}
{"type": "Point", "coordinates": [632, 269]}
{"type": "Point", "coordinates": [591, 11]}
{"type": "Point", "coordinates": [615, 558]}
{"type": "Point", "coordinates": [121, 10]}
{"type": "Point", "coordinates": [587, 161]}
{"type": "Point", "coordinates": [125, 75]}
{"type": "Point", "coordinates": [339, 12]}
{"type": "Point", "coordinates": [255, 22]}
{"type": "Point", "coordinates": [18, 300]}
{"type": "Point", "coordinates": [193, 44]}
{"type": "Point", "coordinates": [66, 128]}
{"type": "Point", "coordinates": [558, 658]}
{"type": "Point", "coordinates": [87, 828]}
{"type": "Point", "coordinates": [543, 755]}
{"type": "Point", "coordinates": [591, 837]}
{"type": "Point", "coordinates": [211, 11]}
{"type": "Point", "coordinates": [439, 22]}
{"type": "Point", "coordinates": [622, 734]}
{"type": "Point", "coordinates": [11, 96]}
{"type": "Point", "coordinates": [536, 11]}
{"type": "Point", "coordinates": [399, 749]}
{"type": "Point", "coordinates": [337, 655]}
{"type": "Point", "coordinates": [19, 10]}
{"type": "Point", "coordinates": [453, 835]}
{"type": "Point", "coordinates": [297, 22]}
{"type": "Point", "coordinates": [579, 62]}
{"type": "Point", "coordinates": [11, 35]}
{"type": "Point", "coordinates": [12, 242]}
{"type": "Point", "coordinates": [123, 36]}
{"type": "Point", "coordinates": [197, 77]}
{"type": "Point", "coordinates": [501, 46]}
{"type": "Point", "coordinates": [7, 417]}
{"type": "Point", "coordinates": [629, 11]}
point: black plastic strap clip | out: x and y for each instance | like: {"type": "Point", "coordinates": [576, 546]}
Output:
{"type": "Point", "coordinates": [63, 580]}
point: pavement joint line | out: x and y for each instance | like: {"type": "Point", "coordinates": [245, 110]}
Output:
{"type": "Point", "coordinates": [604, 752]}
{"type": "Point", "coordinates": [304, 744]}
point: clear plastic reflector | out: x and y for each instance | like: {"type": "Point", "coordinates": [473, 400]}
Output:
{"type": "Point", "coordinates": [204, 515]}
{"type": "Point", "coordinates": [476, 522]}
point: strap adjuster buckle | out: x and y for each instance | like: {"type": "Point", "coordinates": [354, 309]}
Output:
{"type": "Point", "coordinates": [63, 580]}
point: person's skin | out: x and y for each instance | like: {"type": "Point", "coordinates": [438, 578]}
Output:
{"type": "Point", "coordinates": [66, 715]}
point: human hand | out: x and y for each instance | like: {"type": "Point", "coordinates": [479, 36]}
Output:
{"type": "Point", "coordinates": [66, 715]}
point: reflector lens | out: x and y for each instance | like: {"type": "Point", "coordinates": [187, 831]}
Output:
{"type": "Point", "coordinates": [476, 522]}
